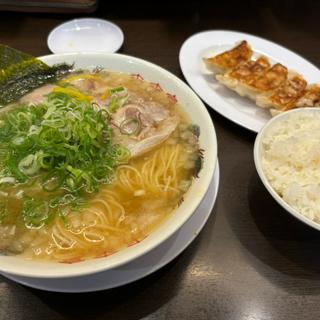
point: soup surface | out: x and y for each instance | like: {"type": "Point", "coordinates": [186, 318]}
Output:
{"type": "Point", "coordinates": [91, 165]}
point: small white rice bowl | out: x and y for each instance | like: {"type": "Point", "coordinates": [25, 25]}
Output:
{"type": "Point", "coordinates": [287, 158]}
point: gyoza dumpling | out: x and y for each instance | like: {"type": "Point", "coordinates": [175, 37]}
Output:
{"type": "Point", "coordinates": [228, 60]}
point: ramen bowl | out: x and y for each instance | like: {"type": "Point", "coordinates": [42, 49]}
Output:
{"type": "Point", "coordinates": [197, 112]}
{"type": "Point", "coordinates": [286, 156]}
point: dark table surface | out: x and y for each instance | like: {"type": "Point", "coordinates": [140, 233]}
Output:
{"type": "Point", "coordinates": [252, 260]}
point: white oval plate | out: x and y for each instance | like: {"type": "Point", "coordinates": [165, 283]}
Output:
{"type": "Point", "coordinates": [238, 109]}
{"type": "Point", "coordinates": [86, 34]}
{"type": "Point", "coordinates": [141, 267]}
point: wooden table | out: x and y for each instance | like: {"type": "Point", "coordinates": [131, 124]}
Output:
{"type": "Point", "coordinates": [252, 260]}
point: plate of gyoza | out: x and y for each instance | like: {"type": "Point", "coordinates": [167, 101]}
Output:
{"type": "Point", "coordinates": [248, 79]}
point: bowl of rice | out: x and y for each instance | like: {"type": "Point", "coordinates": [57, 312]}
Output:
{"type": "Point", "coordinates": [287, 159]}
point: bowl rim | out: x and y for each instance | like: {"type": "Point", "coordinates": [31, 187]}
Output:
{"type": "Point", "coordinates": [257, 160]}
{"type": "Point", "coordinates": [205, 179]}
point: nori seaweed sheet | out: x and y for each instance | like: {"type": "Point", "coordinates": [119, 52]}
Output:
{"type": "Point", "coordinates": [23, 73]}
{"type": "Point", "coordinates": [10, 56]}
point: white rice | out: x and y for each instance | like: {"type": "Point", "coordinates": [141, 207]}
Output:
{"type": "Point", "coordinates": [291, 161]}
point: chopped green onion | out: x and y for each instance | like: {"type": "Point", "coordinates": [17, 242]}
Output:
{"type": "Point", "coordinates": [63, 144]}
{"type": "Point", "coordinates": [29, 165]}
{"type": "Point", "coordinates": [116, 103]}
{"type": "Point", "coordinates": [130, 126]}
{"type": "Point", "coordinates": [10, 180]}
{"type": "Point", "coordinates": [117, 100]}
{"type": "Point", "coordinates": [52, 181]}
{"type": "Point", "coordinates": [35, 213]}
{"type": "Point", "coordinates": [117, 89]}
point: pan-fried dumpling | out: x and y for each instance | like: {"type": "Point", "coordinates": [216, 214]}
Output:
{"type": "Point", "coordinates": [229, 59]}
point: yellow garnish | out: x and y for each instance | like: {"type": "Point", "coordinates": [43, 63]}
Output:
{"type": "Point", "coordinates": [73, 92]}
{"type": "Point", "coordinates": [105, 95]}
{"type": "Point", "coordinates": [79, 77]}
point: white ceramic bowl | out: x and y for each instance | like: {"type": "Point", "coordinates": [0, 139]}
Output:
{"type": "Point", "coordinates": [85, 34]}
{"type": "Point", "coordinates": [199, 115]}
{"type": "Point", "coordinates": [258, 149]}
